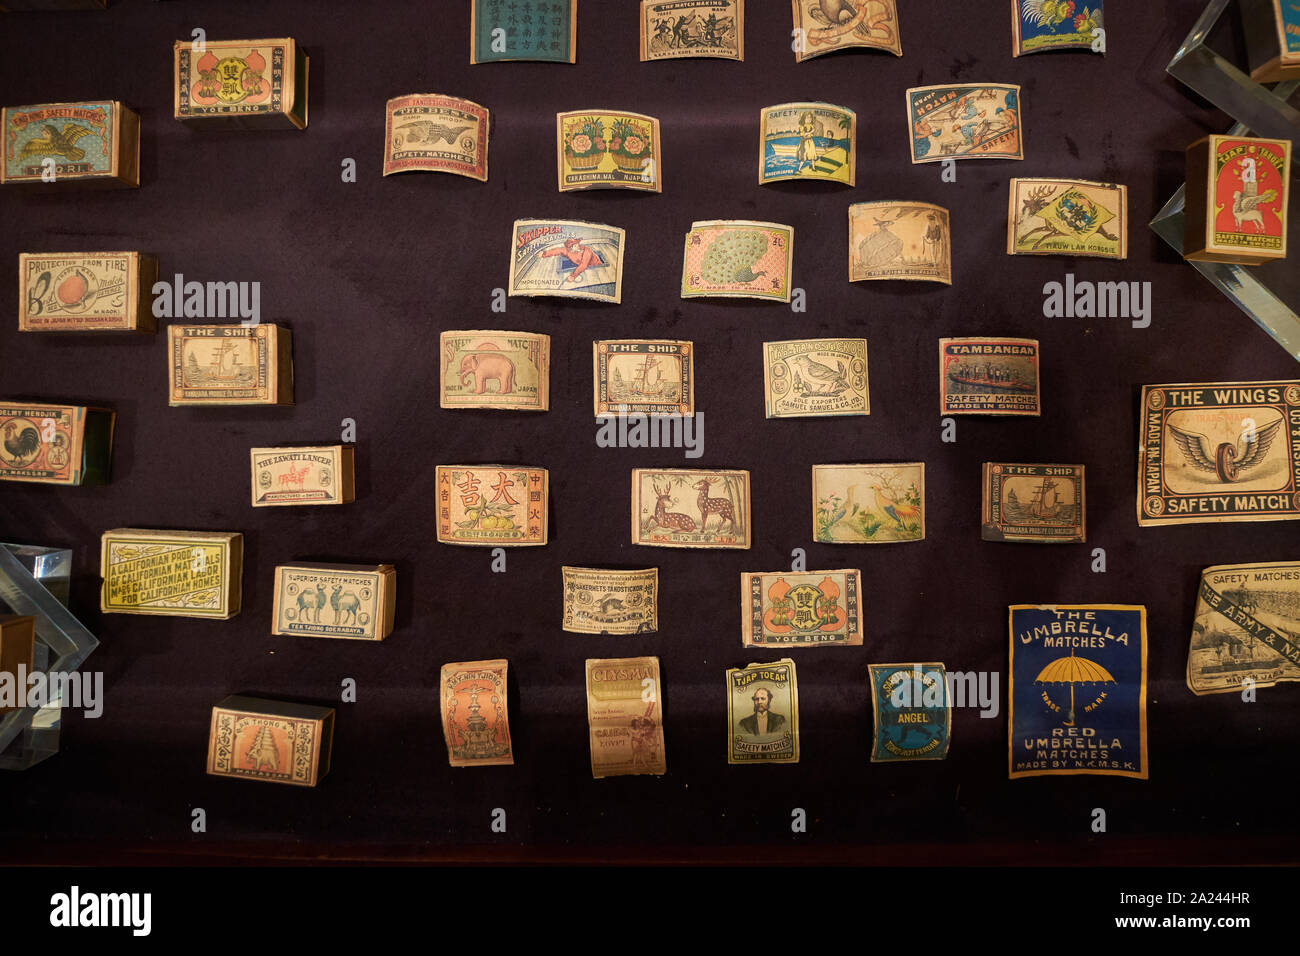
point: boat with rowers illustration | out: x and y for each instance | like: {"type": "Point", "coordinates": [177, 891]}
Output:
{"type": "Point", "coordinates": [998, 379]}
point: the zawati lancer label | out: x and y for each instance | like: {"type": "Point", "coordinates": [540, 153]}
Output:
{"type": "Point", "coordinates": [1219, 452]}
{"type": "Point", "coordinates": [1078, 692]}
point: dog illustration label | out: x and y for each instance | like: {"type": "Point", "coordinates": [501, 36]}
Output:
{"type": "Point", "coordinates": [1221, 452]}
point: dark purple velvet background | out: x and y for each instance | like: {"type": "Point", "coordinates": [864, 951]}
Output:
{"type": "Point", "coordinates": [367, 275]}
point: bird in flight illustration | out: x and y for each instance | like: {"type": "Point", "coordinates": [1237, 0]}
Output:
{"type": "Point", "coordinates": [57, 142]}
{"type": "Point", "coordinates": [1230, 460]}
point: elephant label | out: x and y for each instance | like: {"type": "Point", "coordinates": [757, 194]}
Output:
{"type": "Point", "coordinates": [494, 369]}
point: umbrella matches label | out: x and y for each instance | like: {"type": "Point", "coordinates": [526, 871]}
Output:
{"type": "Point", "coordinates": [1078, 690]}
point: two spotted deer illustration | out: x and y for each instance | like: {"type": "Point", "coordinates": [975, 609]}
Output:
{"type": "Point", "coordinates": [676, 521]}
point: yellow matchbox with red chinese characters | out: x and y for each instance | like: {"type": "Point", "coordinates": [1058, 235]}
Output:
{"type": "Point", "coordinates": [492, 506]}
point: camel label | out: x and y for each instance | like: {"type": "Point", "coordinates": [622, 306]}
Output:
{"type": "Point", "coordinates": [348, 601]}
{"type": "Point", "coordinates": [1078, 690]}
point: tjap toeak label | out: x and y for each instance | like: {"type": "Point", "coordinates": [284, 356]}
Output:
{"type": "Point", "coordinates": [1078, 690]}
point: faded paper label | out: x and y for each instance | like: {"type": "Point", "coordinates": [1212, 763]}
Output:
{"type": "Point", "coordinates": [625, 717]}
{"type": "Point", "coordinates": [889, 240]}
{"type": "Point", "coordinates": [675, 29]}
{"type": "Point", "coordinates": [824, 26]}
{"type": "Point", "coordinates": [815, 377]}
{"type": "Point", "coordinates": [434, 133]}
{"type": "Point", "coordinates": [475, 718]}
{"type": "Point", "coordinates": [868, 504]}
{"type": "Point", "coordinates": [1246, 633]}
{"type": "Point", "coordinates": [913, 712]}
{"type": "Point", "coordinates": [606, 601]}
{"type": "Point", "coordinates": [581, 260]}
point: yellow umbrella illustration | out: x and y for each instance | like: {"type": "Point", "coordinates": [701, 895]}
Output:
{"type": "Point", "coordinates": [1073, 670]}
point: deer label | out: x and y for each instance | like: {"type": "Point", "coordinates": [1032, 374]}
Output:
{"type": "Point", "coordinates": [1067, 217]}
{"type": "Point", "coordinates": [685, 508]}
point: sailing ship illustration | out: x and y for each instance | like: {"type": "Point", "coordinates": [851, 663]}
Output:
{"type": "Point", "coordinates": [1045, 505]}
{"type": "Point", "coordinates": [647, 381]}
{"type": "Point", "coordinates": [224, 367]}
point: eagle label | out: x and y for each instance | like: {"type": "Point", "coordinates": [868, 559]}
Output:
{"type": "Point", "coordinates": [1219, 452]}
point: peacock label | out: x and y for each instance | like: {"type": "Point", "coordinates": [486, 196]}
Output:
{"type": "Point", "coordinates": [989, 376]}
{"type": "Point", "coordinates": [344, 601]}
{"type": "Point", "coordinates": [763, 713]}
{"type": "Point", "coordinates": [1067, 217]}
{"type": "Point", "coordinates": [801, 609]}
{"type": "Point", "coordinates": [824, 26]}
{"type": "Point", "coordinates": [913, 712]}
{"type": "Point", "coordinates": [1039, 25]}
{"type": "Point", "coordinates": [475, 713]}
{"type": "Point", "coordinates": [272, 741]}
{"type": "Point", "coordinates": [738, 259]}
{"type": "Point", "coordinates": [1246, 632]}
{"type": "Point", "coordinates": [677, 29]}
{"type": "Point", "coordinates": [560, 257]}
{"type": "Point", "coordinates": [1220, 452]}
{"type": "Point", "coordinates": [808, 141]}
{"type": "Point", "coordinates": [965, 121]}
{"type": "Point", "coordinates": [321, 475]}
{"type": "Point", "coordinates": [899, 240]}
{"type": "Point", "coordinates": [868, 504]}
{"type": "Point", "coordinates": [1034, 503]}
{"type": "Point", "coordinates": [646, 376]}
{"type": "Point", "coordinates": [434, 133]}
{"type": "Point", "coordinates": [504, 30]}
{"type": "Point", "coordinates": [603, 149]}
{"type": "Point", "coordinates": [812, 378]}
{"type": "Point", "coordinates": [486, 368]}
{"type": "Point", "coordinates": [609, 601]}
{"type": "Point", "coordinates": [1078, 694]}
{"type": "Point", "coordinates": [492, 506]}
{"type": "Point", "coordinates": [687, 508]}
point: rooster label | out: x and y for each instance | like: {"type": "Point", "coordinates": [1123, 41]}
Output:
{"type": "Point", "coordinates": [1067, 217]}
{"type": "Point", "coordinates": [1038, 25]}
{"type": "Point", "coordinates": [605, 601]}
{"type": "Point", "coordinates": [502, 30]}
{"type": "Point", "coordinates": [494, 369]}
{"type": "Point", "coordinates": [1223, 452]}
{"type": "Point", "coordinates": [302, 476]}
{"type": "Point", "coordinates": [1246, 629]}
{"type": "Point", "coordinates": [86, 292]}
{"type": "Point", "coordinates": [763, 714]}
{"type": "Point", "coordinates": [824, 26]}
{"type": "Point", "coordinates": [270, 740]}
{"type": "Point", "coordinates": [1078, 693]}
{"type": "Point", "coordinates": [598, 149]}
{"type": "Point", "coordinates": [965, 122]}
{"type": "Point", "coordinates": [868, 504]}
{"type": "Point", "coordinates": [242, 83]}
{"type": "Point", "coordinates": [989, 376]}
{"type": "Point", "coordinates": [625, 716]}
{"type": "Point", "coordinates": [889, 240]}
{"type": "Point", "coordinates": [475, 714]}
{"type": "Point", "coordinates": [807, 141]}
{"type": "Point", "coordinates": [176, 573]}
{"type": "Point", "coordinates": [434, 133]}
{"type": "Point", "coordinates": [1238, 188]}
{"type": "Point", "coordinates": [317, 600]}
{"type": "Point", "coordinates": [685, 508]}
{"type": "Point", "coordinates": [576, 260]}
{"type": "Point", "coordinates": [738, 259]}
{"type": "Point", "coordinates": [56, 444]}
{"type": "Point", "coordinates": [812, 609]}
{"type": "Point", "coordinates": [98, 140]}
{"type": "Point", "coordinates": [676, 29]}
{"type": "Point", "coordinates": [492, 505]}
{"type": "Point", "coordinates": [644, 376]}
{"type": "Point", "coordinates": [913, 712]}
{"type": "Point", "coordinates": [811, 378]}
{"type": "Point", "coordinates": [1040, 503]}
